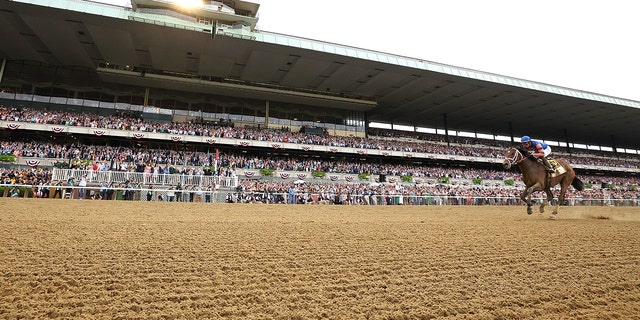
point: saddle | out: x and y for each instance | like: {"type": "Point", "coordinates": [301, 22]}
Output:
{"type": "Point", "coordinates": [558, 169]}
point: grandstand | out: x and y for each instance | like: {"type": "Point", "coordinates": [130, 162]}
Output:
{"type": "Point", "coordinates": [212, 92]}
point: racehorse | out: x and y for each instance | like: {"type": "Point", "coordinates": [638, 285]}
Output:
{"type": "Point", "coordinates": [536, 177]}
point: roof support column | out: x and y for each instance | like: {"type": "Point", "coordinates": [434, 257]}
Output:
{"type": "Point", "coordinates": [146, 97]}
{"type": "Point", "coordinates": [4, 63]}
{"type": "Point", "coordinates": [511, 131]}
{"type": "Point", "coordinates": [266, 114]}
{"type": "Point", "coordinates": [446, 128]}
{"type": "Point", "coordinates": [366, 124]}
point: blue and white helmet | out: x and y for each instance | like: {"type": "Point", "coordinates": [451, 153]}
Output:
{"type": "Point", "coordinates": [525, 139]}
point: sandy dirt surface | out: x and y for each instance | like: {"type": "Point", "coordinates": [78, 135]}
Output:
{"type": "Point", "coordinates": [133, 260]}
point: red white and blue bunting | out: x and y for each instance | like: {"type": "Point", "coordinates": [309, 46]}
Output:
{"type": "Point", "coordinates": [176, 138]}
{"type": "Point", "coordinates": [244, 143]}
{"type": "Point", "coordinates": [99, 132]}
{"type": "Point", "coordinates": [305, 148]}
{"type": "Point", "coordinates": [348, 178]}
{"type": "Point", "coordinates": [13, 126]}
{"type": "Point", "coordinates": [284, 175]}
{"type": "Point", "coordinates": [211, 141]}
{"type": "Point", "coordinates": [32, 162]}
{"type": "Point", "coordinates": [249, 174]}
{"type": "Point", "coordinates": [57, 129]}
{"type": "Point", "coordinates": [138, 135]}
{"type": "Point", "coordinates": [361, 152]}
{"type": "Point", "coordinates": [276, 145]}
{"type": "Point", "coordinates": [301, 176]}
{"type": "Point", "coordinates": [334, 150]}
{"type": "Point", "coordinates": [333, 178]}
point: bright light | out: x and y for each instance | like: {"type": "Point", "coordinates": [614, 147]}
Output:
{"type": "Point", "coordinates": [189, 3]}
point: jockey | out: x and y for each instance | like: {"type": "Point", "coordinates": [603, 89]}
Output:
{"type": "Point", "coordinates": [539, 150]}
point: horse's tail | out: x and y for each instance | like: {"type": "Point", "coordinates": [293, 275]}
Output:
{"type": "Point", "coordinates": [578, 184]}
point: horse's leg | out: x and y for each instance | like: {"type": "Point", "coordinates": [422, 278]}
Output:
{"type": "Point", "coordinates": [547, 200]}
{"type": "Point", "coordinates": [526, 197]}
{"type": "Point", "coordinates": [564, 185]}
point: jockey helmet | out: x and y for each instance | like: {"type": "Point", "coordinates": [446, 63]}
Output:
{"type": "Point", "coordinates": [525, 139]}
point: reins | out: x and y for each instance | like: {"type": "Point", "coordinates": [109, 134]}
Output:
{"type": "Point", "coordinates": [517, 157]}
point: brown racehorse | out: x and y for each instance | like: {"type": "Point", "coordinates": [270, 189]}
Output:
{"type": "Point", "coordinates": [536, 178]}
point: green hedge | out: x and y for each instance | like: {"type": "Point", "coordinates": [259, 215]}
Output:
{"type": "Point", "coordinates": [318, 174]}
{"type": "Point", "coordinates": [7, 158]}
{"type": "Point", "coordinates": [267, 172]}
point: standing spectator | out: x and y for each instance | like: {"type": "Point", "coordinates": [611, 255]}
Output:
{"type": "Point", "coordinates": [70, 183]}
{"type": "Point", "coordinates": [170, 194]}
{"type": "Point", "coordinates": [58, 189]}
{"type": "Point", "coordinates": [82, 185]}
{"type": "Point", "coordinates": [150, 193]}
{"type": "Point", "coordinates": [14, 192]}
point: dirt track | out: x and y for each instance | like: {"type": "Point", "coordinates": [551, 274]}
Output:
{"type": "Point", "coordinates": [107, 259]}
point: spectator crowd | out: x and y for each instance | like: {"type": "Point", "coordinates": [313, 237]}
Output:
{"type": "Point", "coordinates": [163, 161]}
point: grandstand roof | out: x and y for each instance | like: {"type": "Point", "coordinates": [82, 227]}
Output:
{"type": "Point", "coordinates": [263, 65]}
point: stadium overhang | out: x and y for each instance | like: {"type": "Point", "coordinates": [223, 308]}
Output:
{"type": "Point", "coordinates": [389, 88]}
{"type": "Point", "coordinates": [232, 88]}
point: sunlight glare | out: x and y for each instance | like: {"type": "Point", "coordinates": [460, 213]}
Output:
{"type": "Point", "coordinates": [189, 3]}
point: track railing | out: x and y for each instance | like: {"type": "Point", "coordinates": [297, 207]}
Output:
{"type": "Point", "coordinates": [215, 194]}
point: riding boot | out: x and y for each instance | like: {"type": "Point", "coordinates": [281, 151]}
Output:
{"type": "Point", "coordinates": [547, 165]}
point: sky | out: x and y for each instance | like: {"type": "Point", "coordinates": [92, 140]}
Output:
{"type": "Point", "coordinates": [586, 45]}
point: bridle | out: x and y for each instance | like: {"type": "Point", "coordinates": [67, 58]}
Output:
{"type": "Point", "coordinates": [516, 159]}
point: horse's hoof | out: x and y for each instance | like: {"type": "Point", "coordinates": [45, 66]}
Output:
{"type": "Point", "coordinates": [553, 217]}
{"type": "Point", "coordinates": [529, 211]}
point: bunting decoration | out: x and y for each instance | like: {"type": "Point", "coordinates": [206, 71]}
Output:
{"type": "Point", "coordinates": [276, 145]}
{"type": "Point", "coordinates": [13, 126]}
{"type": "Point", "coordinates": [305, 148]}
{"type": "Point", "coordinates": [301, 176]}
{"type": "Point", "coordinates": [284, 175]}
{"type": "Point", "coordinates": [99, 132]}
{"type": "Point", "coordinates": [333, 178]}
{"type": "Point", "coordinates": [138, 135]}
{"type": "Point", "coordinates": [392, 180]}
{"type": "Point", "coordinates": [409, 155]}
{"type": "Point", "coordinates": [245, 143]}
{"type": "Point", "coordinates": [249, 174]}
{"type": "Point", "coordinates": [361, 152]}
{"type": "Point", "coordinates": [33, 163]}
{"type": "Point", "coordinates": [57, 129]}
{"type": "Point", "coordinates": [385, 153]}
{"type": "Point", "coordinates": [334, 150]}
{"type": "Point", "coordinates": [348, 178]}
{"type": "Point", "coordinates": [176, 138]}
{"type": "Point", "coordinates": [211, 141]}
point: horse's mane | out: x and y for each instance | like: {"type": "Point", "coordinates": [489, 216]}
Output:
{"type": "Point", "coordinates": [526, 154]}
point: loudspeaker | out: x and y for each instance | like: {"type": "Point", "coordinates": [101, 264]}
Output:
{"type": "Point", "coordinates": [383, 178]}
